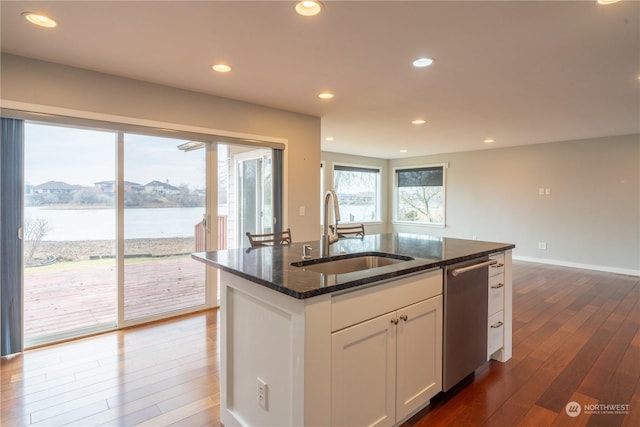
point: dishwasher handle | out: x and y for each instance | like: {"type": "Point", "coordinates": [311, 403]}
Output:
{"type": "Point", "coordinates": [462, 270]}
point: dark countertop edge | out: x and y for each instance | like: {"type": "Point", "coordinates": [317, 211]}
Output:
{"type": "Point", "coordinates": [201, 256]}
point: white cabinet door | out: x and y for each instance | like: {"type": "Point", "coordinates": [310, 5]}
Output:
{"type": "Point", "coordinates": [363, 359]}
{"type": "Point", "coordinates": [419, 355]}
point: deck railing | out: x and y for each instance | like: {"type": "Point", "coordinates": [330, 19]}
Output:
{"type": "Point", "coordinates": [200, 234]}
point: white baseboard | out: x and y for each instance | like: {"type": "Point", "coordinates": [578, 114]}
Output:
{"type": "Point", "coordinates": [605, 268]}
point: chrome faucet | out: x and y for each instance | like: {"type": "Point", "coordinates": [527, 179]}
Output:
{"type": "Point", "coordinates": [326, 239]}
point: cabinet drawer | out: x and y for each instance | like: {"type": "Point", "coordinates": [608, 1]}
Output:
{"type": "Point", "coordinates": [361, 304]}
{"type": "Point", "coordinates": [495, 333]}
{"type": "Point", "coordinates": [499, 267]}
{"type": "Point", "coordinates": [496, 293]}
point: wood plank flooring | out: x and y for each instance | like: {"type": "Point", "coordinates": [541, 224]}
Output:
{"type": "Point", "coordinates": [576, 338]}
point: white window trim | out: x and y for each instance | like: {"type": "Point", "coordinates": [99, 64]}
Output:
{"type": "Point", "coordinates": [394, 191]}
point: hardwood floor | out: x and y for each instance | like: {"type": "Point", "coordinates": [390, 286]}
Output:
{"type": "Point", "coordinates": [576, 338]}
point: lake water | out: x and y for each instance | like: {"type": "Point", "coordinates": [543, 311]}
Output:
{"type": "Point", "coordinates": [100, 224]}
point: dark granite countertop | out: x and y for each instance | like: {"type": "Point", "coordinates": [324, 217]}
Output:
{"type": "Point", "coordinates": [270, 266]}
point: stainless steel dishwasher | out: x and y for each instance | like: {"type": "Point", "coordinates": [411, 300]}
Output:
{"type": "Point", "coordinates": [466, 292]}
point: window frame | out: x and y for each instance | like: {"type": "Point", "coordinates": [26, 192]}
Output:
{"type": "Point", "coordinates": [396, 195]}
{"type": "Point", "coordinates": [378, 190]}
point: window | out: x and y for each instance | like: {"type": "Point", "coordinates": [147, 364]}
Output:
{"type": "Point", "coordinates": [420, 196]}
{"type": "Point", "coordinates": [358, 191]}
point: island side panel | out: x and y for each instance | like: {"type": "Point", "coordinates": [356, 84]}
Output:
{"type": "Point", "coordinates": [263, 336]}
{"type": "Point", "coordinates": [317, 361]}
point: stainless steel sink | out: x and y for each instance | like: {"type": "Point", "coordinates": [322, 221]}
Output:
{"type": "Point", "coordinates": [350, 263]}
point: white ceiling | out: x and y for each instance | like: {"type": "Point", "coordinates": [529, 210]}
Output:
{"type": "Point", "coordinates": [521, 72]}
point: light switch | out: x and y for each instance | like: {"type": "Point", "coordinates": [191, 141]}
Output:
{"type": "Point", "coordinates": [302, 210]}
{"type": "Point", "coordinates": [541, 191]}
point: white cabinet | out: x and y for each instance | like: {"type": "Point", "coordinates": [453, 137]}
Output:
{"type": "Point", "coordinates": [496, 320]}
{"type": "Point", "coordinates": [418, 355]}
{"type": "Point", "coordinates": [387, 368]}
{"type": "Point", "coordinates": [363, 363]}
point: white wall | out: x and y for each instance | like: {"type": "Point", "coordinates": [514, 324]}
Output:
{"type": "Point", "coordinates": [24, 80]}
{"type": "Point", "coordinates": [590, 219]}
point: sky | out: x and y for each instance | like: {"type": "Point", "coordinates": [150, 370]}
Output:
{"type": "Point", "coordinates": [81, 156]}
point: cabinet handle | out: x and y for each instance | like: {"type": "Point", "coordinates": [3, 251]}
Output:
{"type": "Point", "coordinates": [404, 317]}
{"type": "Point", "coordinates": [497, 325]}
{"type": "Point", "coordinates": [394, 321]}
{"type": "Point", "coordinates": [498, 265]}
{"type": "Point", "coordinates": [498, 286]}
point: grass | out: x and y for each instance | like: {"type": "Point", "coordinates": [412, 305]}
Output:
{"type": "Point", "coordinates": [62, 266]}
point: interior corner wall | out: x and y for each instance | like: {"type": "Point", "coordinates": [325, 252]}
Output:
{"type": "Point", "coordinates": [590, 219]}
{"type": "Point", "coordinates": [43, 83]}
{"type": "Point", "coordinates": [329, 158]}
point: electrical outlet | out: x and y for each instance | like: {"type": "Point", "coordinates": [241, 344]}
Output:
{"type": "Point", "coordinates": [262, 393]}
{"type": "Point", "coordinates": [542, 245]}
{"type": "Point", "coordinates": [547, 191]}
{"type": "Point", "coordinates": [302, 211]}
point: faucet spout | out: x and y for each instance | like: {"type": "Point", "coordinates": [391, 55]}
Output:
{"type": "Point", "coordinates": [326, 239]}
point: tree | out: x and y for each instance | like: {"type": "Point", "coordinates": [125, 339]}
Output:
{"type": "Point", "coordinates": [34, 231]}
{"type": "Point", "coordinates": [90, 196]}
{"type": "Point", "coordinates": [415, 201]}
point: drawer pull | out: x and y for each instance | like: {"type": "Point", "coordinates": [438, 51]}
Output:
{"type": "Point", "coordinates": [404, 317]}
{"type": "Point", "coordinates": [498, 265]}
{"type": "Point", "coordinates": [395, 321]}
{"type": "Point", "coordinates": [497, 325]}
{"type": "Point", "coordinates": [498, 286]}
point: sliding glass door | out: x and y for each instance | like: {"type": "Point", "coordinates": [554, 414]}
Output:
{"type": "Point", "coordinates": [111, 218]}
{"type": "Point", "coordinates": [164, 204]}
{"type": "Point", "coordinates": [254, 192]}
{"type": "Point", "coordinates": [77, 209]}
{"type": "Point", "coordinates": [69, 232]}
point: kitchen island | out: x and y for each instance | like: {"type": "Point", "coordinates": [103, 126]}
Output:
{"type": "Point", "coordinates": [302, 347]}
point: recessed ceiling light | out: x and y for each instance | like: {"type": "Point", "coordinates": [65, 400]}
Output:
{"type": "Point", "coordinates": [607, 1]}
{"type": "Point", "coordinates": [40, 20]}
{"type": "Point", "coordinates": [418, 122]}
{"type": "Point", "coordinates": [422, 62]}
{"type": "Point", "coordinates": [403, 151]}
{"type": "Point", "coordinates": [221, 68]}
{"type": "Point", "coordinates": [329, 138]}
{"type": "Point", "coordinates": [489, 141]}
{"type": "Point", "coordinates": [326, 95]}
{"type": "Point", "coordinates": [308, 7]}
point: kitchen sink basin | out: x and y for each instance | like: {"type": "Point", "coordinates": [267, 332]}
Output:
{"type": "Point", "coordinates": [350, 263]}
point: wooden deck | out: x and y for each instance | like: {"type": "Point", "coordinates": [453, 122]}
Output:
{"type": "Point", "coordinates": [83, 294]}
